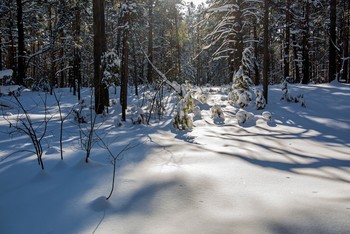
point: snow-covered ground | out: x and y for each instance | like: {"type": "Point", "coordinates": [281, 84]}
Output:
{"type": "Point", "coordinates": [288, 175]}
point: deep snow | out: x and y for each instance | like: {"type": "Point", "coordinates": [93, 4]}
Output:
{"type": "Point", "coordinates": [288, 175]}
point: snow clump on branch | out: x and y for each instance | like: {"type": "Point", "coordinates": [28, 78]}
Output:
{"type": "Point", "coordinates": [244, 116]}
{"type": "Point", "coordinates": [216, 112]}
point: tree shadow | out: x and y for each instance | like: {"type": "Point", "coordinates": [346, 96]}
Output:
{"type": "Point", "coordinates": [142, 200]}
{"type": "Point", "coordinates": [291, 160]}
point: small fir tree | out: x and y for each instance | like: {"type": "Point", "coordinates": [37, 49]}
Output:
{"type": "Point", "coordinates": [111, 63]}
{"type": "Point", "coordinates": [260, 101]}
{"type": "Point", "coordinates": [182, 119]}
{"type": "Point", "coordinates": [240, 93]}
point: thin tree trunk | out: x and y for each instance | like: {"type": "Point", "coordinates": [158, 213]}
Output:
{"type": "Point", "coordinates": [199, 57]}
{"type": "Point", "coordinates": [10, 63]}
{"type": "Point", "coordinates": [21, 48]}
{"type": "Point", "coordinates": [136, 80]}
{"type": "Point", "coordinates": [77, 59]}
{"type": "Point", "coordinates": [125, 68]}
{"type": "Point", "coordinates": [345, 62]}
{"type": "Point", "coordinates": [295, 56]}
{"type": "Point", "coordinates": [178, 48]}
{"type": "Point", "coordinates": [266, 49]}
{"type": "Point", "coordinates": [62, 73]}
{"type": "Point", "coordinates": [238, 45]}
{"type": "Point", "coordinates": [306, 45]}
{"type": "Point", "coordinates": [150, 41]}
{"type": "Point", "coordinates": [332, 41]}
{"type": "Point", "coordinates": [52, 53]}
{"type": "Point", "coordinates": [1, 67]}
{"type": "Point", "coordinates": [256, 52]}
{"type": "Point", "coordinates": [287, 40]}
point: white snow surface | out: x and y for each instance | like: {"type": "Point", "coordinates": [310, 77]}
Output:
{"type": "Point", "coordinates": [8, 88]}
{"type": "Point", "coordinates": [7, 72]}
{"type": "Point", "coordinates": [288, 175]}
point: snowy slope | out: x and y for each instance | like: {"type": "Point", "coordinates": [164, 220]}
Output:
{"type": "Point", "coordinates": [290, 175]}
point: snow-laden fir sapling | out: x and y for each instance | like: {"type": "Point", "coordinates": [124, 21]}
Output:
{"type": "Point", "coordinates": [137, 115]}
{"type": "Point", "coordinates": [260, 101]}
{"type": "Point", "coordinates": [216, 112]}
{"type": "Point", "coordinates": [182, 119]}
{"type": "Point", "coordinates": [80, 115]}
{"type": "Point", "coordinates": [240, 94]}
{"type": "Point", "coordinates": [285, 95]}
{"type": "Point", "coordinates": [111, 63]}
{"type": "Point", "coordinates": [289, 98]}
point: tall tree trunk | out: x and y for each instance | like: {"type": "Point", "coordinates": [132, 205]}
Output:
{"type": "Point", "coordinates": [332, 41]}
{"type": "Point", "coordinates": [286, 41]}
{"type": "Point", "coordinates": [136, 79]}
{"type": "Point", "coordinates": [52, 53]}
{"type": "Point", "coordinates": [306, 45]}
{"type": "Point", "coordinates": [11, 53]}
{"type": "Point", "coordinates": [62, 73]}
{"type": "Point", "coordinates": [238, 45]}
{"type": "Point", "coordinates": [178, 48]}
{"type": "Point", "coordinates": [345, 62]}
{"type": "Point", "coordinates": [295, 58]}
{"type": "Point", "coordinates": [199, 57]}
{"type": "Point", "coordinates": [21, 48]}
{"type": "Point", "coordinates": [1, 67]}
{"type": "Point", "coordinates": [256, 52]}
{"type": "Point", "coordinates": [266, 49]}
{"type": "Point", "coordinates": [231, 60]}
{"type": "Point", "coordinates": [101, 91]}
{"type": "Point", "coordinates": [77, 59]}
{"type": "Point", "coordinates": [150, 41]}
{"type": "Point", "coordinates": [125, 66]}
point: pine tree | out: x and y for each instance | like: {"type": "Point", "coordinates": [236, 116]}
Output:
{"type": "Point", "coordinates": [101, 91]}
{"type": "Point", "coordinates": [332, 40]}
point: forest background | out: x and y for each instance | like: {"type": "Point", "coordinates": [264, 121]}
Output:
{"type": "Point", "coordinates": [74, 43]}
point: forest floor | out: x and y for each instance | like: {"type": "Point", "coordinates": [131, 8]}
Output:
{"type": "Point", "coordinates": [287, 175]}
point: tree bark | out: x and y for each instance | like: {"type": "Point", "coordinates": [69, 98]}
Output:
{"type": "Point", "coordinates": [125, 66]}
{"type": "Point", "coordinates": [266, 50]}
{"type": "Point", "coordinates": [62, 73]}
{"type": "Point", "coordinates": [136, 80]}
{"type": "Point", "coordinates": [286, 41]}
{"type": "Point", "coordinates": [178, 48]}
{"type": "Point", "coordinates": [1, 67]}
{"type": "Point", "coordinates": [199, 57]}
{"type": "Point", "coordinates": [332, 41]}
{"type": "Point", "coordinates": [21, 48]}
{"type": "Point", "coordinates": [256, 52]}
{"type": "Point", "coordinates": [52, 53]}
{"type": "Point", "coordinates": [295, 56]}
{"type": "Point", "coordinates": [345, 62]}
{"type": "Point", "coordinates": [101, 91]}
{"type": "Point", "coordinates": [306, 45]}
{"type": "Point", "coordinates": [77, 59]}
{"type": "Point", "coordinates": [150, 41]}
{"type": "Point", "coordinates": [236, 61]}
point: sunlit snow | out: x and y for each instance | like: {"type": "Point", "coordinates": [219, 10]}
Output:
{"type": "Point", "coordinates": [287, 174]}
